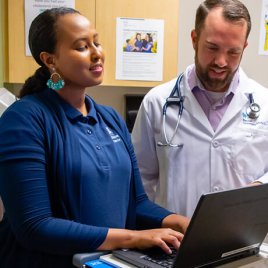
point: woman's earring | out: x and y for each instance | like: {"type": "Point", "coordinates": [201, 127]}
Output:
{"type": "Point", "coordinates": [55, 81]}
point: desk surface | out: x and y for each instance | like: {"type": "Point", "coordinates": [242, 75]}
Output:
{"type": "Point", "coordinates": [258, 261]}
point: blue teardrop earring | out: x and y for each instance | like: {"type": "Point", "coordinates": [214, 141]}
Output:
{"type": "Point", "coordinates": [55, 81]}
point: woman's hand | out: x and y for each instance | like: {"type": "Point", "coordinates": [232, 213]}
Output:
{"type": "Point", "coordinates": [162, 237]}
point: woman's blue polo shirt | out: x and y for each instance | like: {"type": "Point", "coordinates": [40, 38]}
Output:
{"type": "Point", "coordinates": [105, 168]}
{"type": "Point", "coordinates": [65, 179]}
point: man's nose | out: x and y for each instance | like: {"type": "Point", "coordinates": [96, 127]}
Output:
{"type": "Point", "coordinates": [221, 59]}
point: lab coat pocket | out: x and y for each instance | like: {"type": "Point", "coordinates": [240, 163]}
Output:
{"type": "Point", "coordinates": [247, 152]}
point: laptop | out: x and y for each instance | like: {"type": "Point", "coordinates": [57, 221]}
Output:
{"type": "Point", "coordinates": [226, 226]}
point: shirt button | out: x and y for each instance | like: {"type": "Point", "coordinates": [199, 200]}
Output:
{"type": "Point", "coordinates": [98, 147]}
{"type": "Point", "coordinates": [215, 144]}
{"type": "Point", "coordinates": [89, 132]}
{"type": "Point", "coordinates": [216, 189]}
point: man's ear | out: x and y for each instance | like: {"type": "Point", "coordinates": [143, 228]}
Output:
{"type": "Point", "coordinates": [47, 59]}
{"type": "Point", "coordinates": [246, 44]}
{"type": "Point", "coordinates": [194, 39]}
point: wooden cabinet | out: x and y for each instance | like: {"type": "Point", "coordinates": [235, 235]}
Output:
{"type": "Point", "coordinates": [103, 14]}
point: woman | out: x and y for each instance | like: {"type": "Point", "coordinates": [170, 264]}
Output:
{"type": "Point", "coordinates": [148, 44]}
{"type": "Point", "coordinates": [69, 178]}
{"type": "Point", "coordinates": [138, 43]}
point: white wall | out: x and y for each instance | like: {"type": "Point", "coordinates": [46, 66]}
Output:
{"type": "Point", "coordinates": [256, 66]}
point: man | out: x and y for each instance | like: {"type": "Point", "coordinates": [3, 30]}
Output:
{"type": "Point", "coordinates": [221, 139]}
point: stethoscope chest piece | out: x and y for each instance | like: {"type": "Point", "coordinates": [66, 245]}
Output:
{"type": "Point", "coordinates": [253, 111]}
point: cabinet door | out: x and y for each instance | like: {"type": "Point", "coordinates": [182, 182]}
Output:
{"type": "Point", "coordinates": [18, 66]}
{"type": "Point", "coordinates": [106, 13]}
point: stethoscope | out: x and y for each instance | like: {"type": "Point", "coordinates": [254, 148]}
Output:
{"type": "Point", "coordinates": [176, 97]}
{"type": "Point", "coordinates": [253, 111]}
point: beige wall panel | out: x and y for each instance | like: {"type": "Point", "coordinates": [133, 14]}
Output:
{"type": "Point", "coordinates": [19, 66]}
{"type": "Point", "coordinates": [106, 13]}
{"type": "Point", "coordinates": [87, 8]}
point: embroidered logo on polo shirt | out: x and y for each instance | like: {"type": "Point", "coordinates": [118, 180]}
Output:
{"type": "Point", "coordinates": [115, 137]}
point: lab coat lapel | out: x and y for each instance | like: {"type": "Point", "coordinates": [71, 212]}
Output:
{"type": "Point", "coordinates": [239, 101]}
{"type": "Point", "coordinates": [234, 109]}
{"type": "Point", "coordinates": [194, 109]}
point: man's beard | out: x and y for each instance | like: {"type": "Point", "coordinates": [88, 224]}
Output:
{"type": "Point", "coordinates": [213, 84]}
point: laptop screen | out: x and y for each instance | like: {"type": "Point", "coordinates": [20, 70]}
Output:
{"type": "Point", "coordinates": [225, 226]}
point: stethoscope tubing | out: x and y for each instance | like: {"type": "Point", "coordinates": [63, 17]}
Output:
{"type": "Point", "coordinates": [176, 97]}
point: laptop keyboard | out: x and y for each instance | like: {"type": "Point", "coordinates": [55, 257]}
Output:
{"type": "Point", "coordinates": [159, 257]}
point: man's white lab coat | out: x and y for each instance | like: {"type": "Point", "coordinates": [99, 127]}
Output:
{"type": "Point", "coordinates": [234, 155]}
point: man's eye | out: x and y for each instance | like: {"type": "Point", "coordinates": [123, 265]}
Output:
{"type": "Point", "coordinates": [212, 48]}
{"type": "Point", "coordinates": [97, 44]}
{"type": "Point", "coordinates": [235, 53]}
